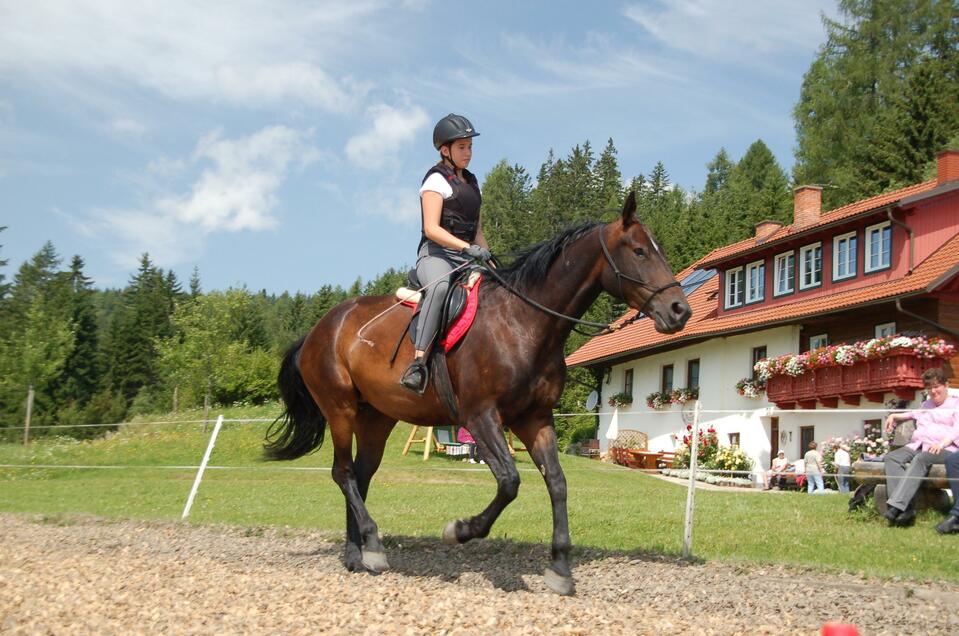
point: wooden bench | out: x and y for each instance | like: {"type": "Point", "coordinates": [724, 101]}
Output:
{"type": "Point", "coordinates": [931, 494]}
{"type": "Point", "coordinates": [589, 448]}
{"type": "Point", "coordinates": [626, 441]}
{"type": "Point", "coordinates": [666, 459]}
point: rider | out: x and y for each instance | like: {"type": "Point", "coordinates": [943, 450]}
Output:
{"type": "Point", "coordinates": [451, 232]}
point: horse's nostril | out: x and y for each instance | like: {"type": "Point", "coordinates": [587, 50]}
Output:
{"type": "Point", "coordinates": [679, 308]}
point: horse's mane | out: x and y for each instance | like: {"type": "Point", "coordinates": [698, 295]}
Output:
{"type": "Point", "coordinates": [533, 263]}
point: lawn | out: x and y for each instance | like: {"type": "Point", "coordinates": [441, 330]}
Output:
{"type": "Point", "coordinates": [146, 474]}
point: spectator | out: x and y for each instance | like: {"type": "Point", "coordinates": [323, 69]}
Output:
{"type": "Point", "coordinates": [843, 468]}
{"type": "Point", "coordinates": [463, 437]}
{"type": "Point", "coordinates": [937, 429]}
{"type": "Point", "coordinates": [814, 470]}
{"type": "Point", "coordinates": [777, 472]}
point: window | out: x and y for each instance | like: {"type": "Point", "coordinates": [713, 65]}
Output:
{"type": "Point", "coordinates": [734, 440]}
{"type": "Point", "coordinates": [885, 329]}
{"type": "Point", "coordinates": [667, 379]}
{"type": "Point", "coordinates": [785, 268]}
{"type": "Point", "coordinates": [878, 246]}
{"type": "Point", "coordinates": [755, 282]}
{"type": "Point", "coordinates": [758, 354]}
{"type": "Point", "coordinates": [734, 287]}
{"type": "Point", "coordinates": [817, 342]}
{"type": "Point", "coordinates": [628, 382]}
{"type": "Point", "coordinates": [810, 266]}
{"type": "Point", "coordinates": [844, 256]}
{"type": "Point", "coordinates": [692, 374]}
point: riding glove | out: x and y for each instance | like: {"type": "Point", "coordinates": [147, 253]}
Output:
{"type": "Point", "coordinates": [478, 252]}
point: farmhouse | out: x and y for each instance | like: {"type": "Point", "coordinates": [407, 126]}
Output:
{"type": "Point", "coordinates": [883, 266]}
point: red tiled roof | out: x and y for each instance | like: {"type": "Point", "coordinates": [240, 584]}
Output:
{"type": "Point", "coordinates": [933, 272]}
{"type": "Point", "coordinates": [859, 207]}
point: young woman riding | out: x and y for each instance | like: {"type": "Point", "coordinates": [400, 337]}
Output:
{"type": "Point", "coordinates": [451, 232]}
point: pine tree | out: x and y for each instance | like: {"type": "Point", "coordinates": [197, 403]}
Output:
{"type": "Point", "coordinates": [718, 173]}
{"type": "Point", "coordinates": [608, 180]}
{"type": "Point", "coordinates": [507, 209]}
{"type": "Point", "coordinates": [4, 287]}
{"type": "Point", "coordinates": [143, 318]}
{"type": "Point", "coordinates": [885, 62]}
{"type": "Point", "coordinates": [195, 289]}
{"type": "Point", "coordinates": [81, 376]}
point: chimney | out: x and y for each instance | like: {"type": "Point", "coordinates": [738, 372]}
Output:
{"type": "Point", "coordinates": [766, 228]}
{"type": "Point", "coordinates": [807, 205]}
{"type": "Point", "coordinates": [948, 164]}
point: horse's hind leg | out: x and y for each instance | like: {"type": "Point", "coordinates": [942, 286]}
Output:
{"type": "Point", "coordinates": [342, 425]}
{"type": "Point", "coordinates": [372, 430]}
{"type": "Point", "coordinates": [539, 437]}
{"type": "Point", "coordinates": [487, 430]}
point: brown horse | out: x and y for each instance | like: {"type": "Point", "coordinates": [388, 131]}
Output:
{"type": "Point", "coordinates": [507, 371]}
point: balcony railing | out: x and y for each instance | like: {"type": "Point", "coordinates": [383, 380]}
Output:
{"type": "Point", "coordinates": [898, 372]}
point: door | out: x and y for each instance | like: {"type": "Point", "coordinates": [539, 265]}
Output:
{"type": "Point", "coordinates": [773, 437]}
{"type": "Point", "coordinates": [806, 434]}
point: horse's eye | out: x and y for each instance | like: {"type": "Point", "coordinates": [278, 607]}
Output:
{"type": "Point", "coordinates": [639, 251]}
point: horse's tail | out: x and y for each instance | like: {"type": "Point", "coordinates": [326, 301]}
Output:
{"type": "Point", "coordinates": [299, 429]}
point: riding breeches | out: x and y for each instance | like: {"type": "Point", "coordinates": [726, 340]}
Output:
{"type": "Point", "coordinates": [429, 268]}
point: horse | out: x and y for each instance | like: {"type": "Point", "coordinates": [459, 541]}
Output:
{"type": "Point", "coordinates": [508, 370]}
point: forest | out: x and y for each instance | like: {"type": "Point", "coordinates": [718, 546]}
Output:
{"type": "Point", "coordinates": [878, 102]}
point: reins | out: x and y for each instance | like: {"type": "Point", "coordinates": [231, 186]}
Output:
{"type": "Point", "coordinates": [604, 328]}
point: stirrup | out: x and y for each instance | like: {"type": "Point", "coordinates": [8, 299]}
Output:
{"type": "Point", "coordinates": [416, 377]}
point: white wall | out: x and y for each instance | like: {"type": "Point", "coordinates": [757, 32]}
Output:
{"type": "Point", "coordinates": [723, 362]}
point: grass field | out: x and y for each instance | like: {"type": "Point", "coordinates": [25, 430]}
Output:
{"type": "Point", "coordinates": [145, 474]}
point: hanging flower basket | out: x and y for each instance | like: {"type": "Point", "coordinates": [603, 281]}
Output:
{"type": "Point", "coordinates": [659, 399]}
{"type": "Point", "coordinates": [748, 387]}
{"type": "Point", "coordinates": [620, 399]}
{"type": "Point", "coordinates": [681, 396]}
{"type": "Point", "coordinates": [847, 355]}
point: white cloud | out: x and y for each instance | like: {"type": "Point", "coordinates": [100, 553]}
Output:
{"type": "Point", "coordinates": [236, 190]}
{"type": "Point", "coordinates": [745, 31]}
{"type": "Point", "coordinates": [244, 53]}
{"type": "Point", "coordinates": [389, 130]}
{"type": "Point", "coordinates": [396, 204]}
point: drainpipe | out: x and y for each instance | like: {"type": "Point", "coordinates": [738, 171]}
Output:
{"type": "Point", "coordinates": [911, 238]}
{"type": "Point", "coordinates": [924, 319]}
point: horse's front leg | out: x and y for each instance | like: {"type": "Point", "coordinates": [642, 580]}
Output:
{"type": "Point", "coordinates": [539, 436]}
{"type": "Point", "coordinates": [487, 429]}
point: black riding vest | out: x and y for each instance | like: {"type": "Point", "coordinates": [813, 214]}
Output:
{"type": "Point", "coordinates": [460, 216]}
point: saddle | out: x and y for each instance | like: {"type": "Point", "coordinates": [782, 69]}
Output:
{"type": "Point", "coordinates": [458, 310]}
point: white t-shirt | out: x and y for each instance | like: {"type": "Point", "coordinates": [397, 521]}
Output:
{"type": "Point", "coordinates": [437, 183]}
{"type": "Point", "coordinates": [842, 458]}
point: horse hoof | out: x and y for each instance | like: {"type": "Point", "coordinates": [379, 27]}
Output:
{"type": "Point", "coordinates": [375, 561]}
{"type": "Point", "coordinates": [449, 534]}
{"type": "Point", "coordinates": [562, 585]}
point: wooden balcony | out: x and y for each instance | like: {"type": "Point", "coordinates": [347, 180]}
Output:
{"type": "Point", "coordinates": [898, 372]}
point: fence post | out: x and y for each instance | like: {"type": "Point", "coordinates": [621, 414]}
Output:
{"type": "Point", "coordinates": [176, 398]}
{"type": "Point", "coordinates": [26, 421]}
{"type": "Point", "coordinates": [202, 468]}
{"type": "Point", "coordinates": [206, 405]}
{"type": "Point", "coordinates": [691, 492]}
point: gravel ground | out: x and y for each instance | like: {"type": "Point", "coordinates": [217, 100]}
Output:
{"type": "Point", "coordinates": [83, 575]}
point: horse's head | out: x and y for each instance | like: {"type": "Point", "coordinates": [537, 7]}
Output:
{"type": "Point", "coordinates": [636, 271]}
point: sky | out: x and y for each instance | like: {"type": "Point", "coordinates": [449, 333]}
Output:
{"type": "Point", "coordinates": [280, 145]}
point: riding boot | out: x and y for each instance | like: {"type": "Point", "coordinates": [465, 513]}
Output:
{"type": "Point", "coordinates": [416, 376]}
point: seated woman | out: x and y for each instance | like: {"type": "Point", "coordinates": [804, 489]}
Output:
{"type": "Point", "coordinates": [777, 471]}
{"type": "Point", "coordinates": [451, 232]}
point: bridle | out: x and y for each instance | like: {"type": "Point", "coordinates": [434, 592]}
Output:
{"type": "Point", "coordinates": [620, 276]}
{"type": "Point", "coordinates": [605, 328]}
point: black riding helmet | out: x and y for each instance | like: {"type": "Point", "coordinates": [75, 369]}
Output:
{"type": "Point", "coordinates": [451, 128]}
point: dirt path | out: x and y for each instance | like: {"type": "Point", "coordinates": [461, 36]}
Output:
{"type": "Point", "coordinates": [81, 575]}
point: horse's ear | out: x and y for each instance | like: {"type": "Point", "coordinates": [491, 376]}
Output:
{"type": "Point", "coordinates": [629, 209]}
